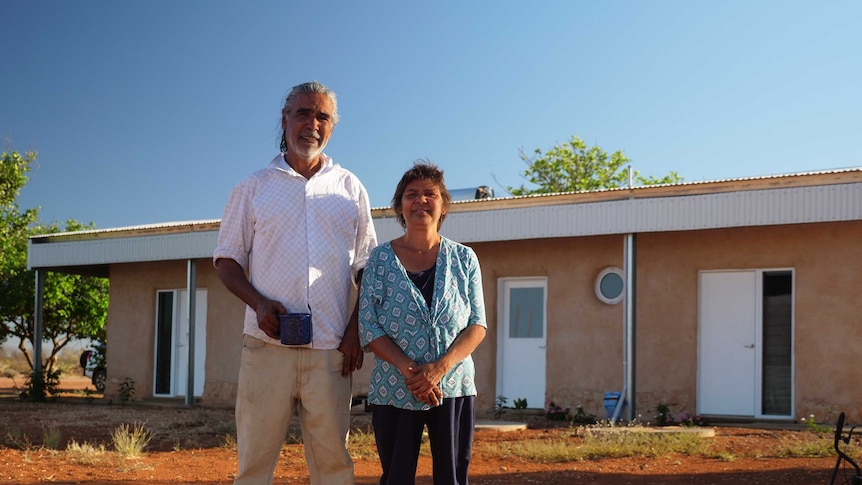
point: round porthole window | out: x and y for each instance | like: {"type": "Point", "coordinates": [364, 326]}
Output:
{"type": "Point", "coordinates": [610, 286]}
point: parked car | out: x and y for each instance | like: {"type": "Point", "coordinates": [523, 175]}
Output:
{"type": "Point", "coordinates": [93, 365]}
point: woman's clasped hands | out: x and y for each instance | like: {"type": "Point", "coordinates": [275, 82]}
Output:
{"type": "Point", "coordinates": [422, 381]}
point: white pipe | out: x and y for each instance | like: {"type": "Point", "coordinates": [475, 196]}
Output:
{"type": "Point", "coordinates": [630, 331]}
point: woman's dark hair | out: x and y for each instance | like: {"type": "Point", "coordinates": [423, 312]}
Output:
{"type": "Point", "coordinates": [423, 169]}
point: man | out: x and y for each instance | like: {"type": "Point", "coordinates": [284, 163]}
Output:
{"type": "Point", "coordinates": [292, 236]}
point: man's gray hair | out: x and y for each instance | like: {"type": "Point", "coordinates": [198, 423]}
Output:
{"type": "Point", "coordinates": [311, 87]}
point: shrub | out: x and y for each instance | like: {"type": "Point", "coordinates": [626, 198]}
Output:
{"type": "Point", "coordinates": [812, 425]}
{"type": "Point", "coordinates": [686, 420]}
{"type": "Point", "coordinates": [553, 412]}
{"type": "Point", "coordinates": [51, 436]}
{"type": "Point", "coordinates": [500, 406]}
{"type": "Point", "coordinates": [663, 416]}
{"type": "Point", "coordinates": [42, 384]}
{"type": "Point", "coordinates": [127, 390]}
{"type": "Point", "coordinates": [580, 417]}
{"type": "Point", "coordinates": [17, 439]}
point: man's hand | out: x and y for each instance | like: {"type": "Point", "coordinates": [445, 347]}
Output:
{"type": "Point", "coordinates": [267, 310]}
{"type": "Point", "coordinates": [352, 350]}
{"type": "Point", "coordinates": [267, 317]}
{"type": "Point", "coordinates": [350, 345]}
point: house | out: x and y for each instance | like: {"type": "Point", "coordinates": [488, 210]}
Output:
{"type": "Point", "coordinates": [732, 298]}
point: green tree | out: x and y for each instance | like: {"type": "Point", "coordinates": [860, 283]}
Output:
{"type": "Point", "coordinates": [14, 227]}
{"type": "Point", "coordinates": [575, 167]}
{"type": "Point", "coordinates": [75, 306]}
{"type": "Point", "coordinates": [13, 222]}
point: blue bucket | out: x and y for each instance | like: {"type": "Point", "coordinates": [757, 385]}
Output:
{"type": "Point", "coordinates": [611, 400]}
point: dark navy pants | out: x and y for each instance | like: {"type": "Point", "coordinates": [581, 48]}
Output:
{"type": "Point", "coordinates": [398, 433]}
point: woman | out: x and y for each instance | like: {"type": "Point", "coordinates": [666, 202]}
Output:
{"type": "Point", "coordinates": [422, 313]}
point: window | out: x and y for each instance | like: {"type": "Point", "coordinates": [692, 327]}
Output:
{"type": "Point", "coordinates": [610, 286]}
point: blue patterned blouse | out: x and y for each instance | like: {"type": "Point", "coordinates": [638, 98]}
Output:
{"type": "Point", "coordinates": [391, 305]}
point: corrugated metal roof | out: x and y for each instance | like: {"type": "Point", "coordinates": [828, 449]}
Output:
{"type": "Point", "coordinates": [796, 205]}
{"type": "Point", "coordinates": [159, 228]}
{"type": "Point", "coordinates": [128, 249]}
{"type": "Point", "coordinates": [826, 196]}
{"type": "Point", "coordinates": [768, 178]}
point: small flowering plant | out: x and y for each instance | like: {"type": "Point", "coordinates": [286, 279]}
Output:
{"type": "Point", "coordinates": [580, 417]}
{"type": "Point", "coordinates": [686, 420]}
{"type": "Point", "coordinates": [553, 412]}
{"type": "Point", "coordinates": [663, 417]}
{"type": "Point", "coordinates": [812, 425]}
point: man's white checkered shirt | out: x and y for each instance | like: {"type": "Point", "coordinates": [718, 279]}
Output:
{"type": "Point", "coordinates": [301, 242]}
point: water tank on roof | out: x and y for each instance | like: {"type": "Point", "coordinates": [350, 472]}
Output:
{"type": "Point", "coordinates": [473, 193]}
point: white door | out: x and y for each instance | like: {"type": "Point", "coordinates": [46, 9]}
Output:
{"type": "Point", "coordinates": [172, 343]}
{"type": "Point", "coordinates": [182, 348]}
{"type": "Point", "coordinates": [745, 343]}
{"type": "Point", "coordinates": [726, 343]}
{"type": "Point", "coordinates": [521, 356]}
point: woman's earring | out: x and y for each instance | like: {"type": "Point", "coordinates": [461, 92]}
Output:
{"type": "Point", "coordinates": [283, 143]}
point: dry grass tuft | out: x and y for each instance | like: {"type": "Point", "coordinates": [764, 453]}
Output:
{"type": "Point", "coordinates": [130, 443]}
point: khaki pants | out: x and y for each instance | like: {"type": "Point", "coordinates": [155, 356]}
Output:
{"type": "Point", "coordinates": [273, 382]}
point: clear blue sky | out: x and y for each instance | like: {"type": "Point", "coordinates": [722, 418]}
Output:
{"type": "Point", "coordinates": [150, 111]}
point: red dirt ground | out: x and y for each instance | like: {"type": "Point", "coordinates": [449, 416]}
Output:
{"type": "Point", "coordinates": [188, 446]}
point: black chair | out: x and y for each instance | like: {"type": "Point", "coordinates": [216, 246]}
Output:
{"type": "Point", "coordinates": [845, 438]}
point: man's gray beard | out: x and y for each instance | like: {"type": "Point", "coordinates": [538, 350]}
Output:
{"type": "Point", "coordinates": [307, 154]}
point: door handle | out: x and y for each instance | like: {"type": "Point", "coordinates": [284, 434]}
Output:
{"type": "Point", "coordinates": [749, 346]}
{"type": "Point", "coordinates": [541, 346]}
